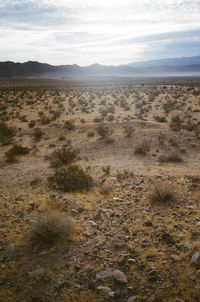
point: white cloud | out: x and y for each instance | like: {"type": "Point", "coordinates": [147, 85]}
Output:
{"type": "Point", "coordinates": [88, 31]}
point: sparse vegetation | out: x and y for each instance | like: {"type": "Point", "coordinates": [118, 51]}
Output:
{"type": "Point", "coordinates": [6, 133]}
{"type": "Point", "coordinates": [71, 179]}
{"type": "Point", "coordinates": [162, 192]}
{"type": "Point", "coordinates": [63, 156]}
{"type": "Point", "coordinates": [15, 151]}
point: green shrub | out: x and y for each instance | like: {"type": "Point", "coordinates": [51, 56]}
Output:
{"type": "Point", "coordinates": [63, 156]}
{"type": "Point", "coordinates": [6, 133]}
{"type": "Point", "coordinates": [14, 151]}
{"type": "Point", "coordinates": [71, 179]}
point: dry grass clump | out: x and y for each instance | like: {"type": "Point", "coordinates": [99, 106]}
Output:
{"type": "Point", "coordinates": [6, 133]}
{"type": "Point", "coordinates": [37, 134]}
{"type": "Point", "coordinates": [162, 192]}
{"type": "Point", "coordinates": [173, 157]}
{"type": "Point", "coordinates": [69, 125]}
{"type": "Point", "coordinates": [63, 156]}
{"type": "Point", "coordinates": [71, 179]}
{"type": "Point", "coordinates": [14, 151]}
{"type": "Point", "coordinates": [51, 228]}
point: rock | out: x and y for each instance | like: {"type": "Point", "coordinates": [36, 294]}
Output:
{"type": "Point", "coordinates": [37, 274]}
{"type": "Point", "coordinates": [195, 258]}
{"type": "Point", "coordinates": [198, 223]}
{"type": "Point", "coordinates": [104, 275]}
{"type": "Point", "coordinates": [198, 272]}
{"type": "Point", "coordinates": [178, 300]}
{"type": "Point", "coordinates": [106, 291]}
{"type": "Point", "coordinates": [119, 276]}
{"type": "Point", "coordinates": [132, 299]}
{"type": "Point", "coordinates": [92, 223]}
{"type": "Point", "coordinates": [175, 258]}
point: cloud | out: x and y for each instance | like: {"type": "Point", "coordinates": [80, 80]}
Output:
{"type": "Point", "coordinates": [106, 31]}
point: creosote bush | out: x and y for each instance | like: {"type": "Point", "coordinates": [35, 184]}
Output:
{"type": "Point", "coordinates": [37, 134]}
{"type": "Point", "coordinates": [103, 130]}
{"type": "Point", "coordinates": [63, 156]}
{"type": "Point", "coordinates": [69, 125]}
{"type": "Point", "coordinates": [70, 179]}
{"type": "Point", "coordinates": [14, 151]}
{"type": "Point", "coordinates": [162, 192]}
{"type": "Point", "coordinates": [6, 133]}
{"type": "Point", "coordinates": [142, 148]}
{"type": "Point", "coordinates": [51, 228]}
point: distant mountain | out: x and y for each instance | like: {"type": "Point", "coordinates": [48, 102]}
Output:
{"type": "Point", "coordinates": [175, 62]}
{"type": "Point", "coordinates": [166, 67]}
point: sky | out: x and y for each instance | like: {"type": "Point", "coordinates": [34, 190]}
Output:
{"type": "Point", "coordinates": [109, 32]}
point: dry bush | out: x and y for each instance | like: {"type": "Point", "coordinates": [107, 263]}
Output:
{"type": "Point", "coordinates": [71, 179]}
{"type": "Point", "coordinates": [162, 192]}
{"type": "Point", "coordinates": [63, 156]}
{"type": "Point", "coordinates": [176, 123]}
{"type": "Point", "coordinates": [103, 131]}
{"type": "Point", "coordinates": [128, 130]}
{"type": "Point", "coordinates": [142, 148]}
{"type": "Point", "coordinates": [106, 170]}
{"type": "Point", "coordinates": [14, 151]}
{"type": "Point", "coordinates": [159, 119]}
{"type": "Point", "coordinates": [69, 125]}
{"type": "Point", "coordinates": [51, 228]}
{"type": "Point", "coordinates": [6, 133]}
{"type": "Point", "coordinates": [173, 157]}
{"type": "Point", "coordinates": [37, 134]}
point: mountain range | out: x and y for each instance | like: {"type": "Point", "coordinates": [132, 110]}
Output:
{"type": "Point", "coordinates": [187, 66]}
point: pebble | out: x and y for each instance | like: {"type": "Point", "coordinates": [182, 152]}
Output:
{"type": "Point", "coordinates": [104, 275]}
{"type": "Point", "coordinates": [120, 276]}
{"type": "Point", "coordinates": [92, 223]}
{"type": "Point", "coordinates": [106, 290]}
{"type": "Point", "coordinates": [37, 274]}
{"type": "Point", "coordinates": [195, 258]}
{"type": "Point", "coordinates": [175, 258]}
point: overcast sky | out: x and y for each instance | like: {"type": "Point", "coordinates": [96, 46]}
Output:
{"type": "Point", "coordinates": [104, 31]}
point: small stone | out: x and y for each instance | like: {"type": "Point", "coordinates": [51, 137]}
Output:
{"type": "Point", "coordinates": [195, 258]}
{"type": "Point", "coordinates": [175, 258]}
{"type": "Point", "coordinates": [37, 274]}
{"type": "Point", "coordinates": [178, 300]}
{"type": "Point", "coordinates": [119, 276]}
{"type": "Point", "coordinates": [103, 275]}
{"type": "Point", "coordinates": [106, 290]}
{"type": "Point", "coordinates": [92, 223]}
{"type": "Point", "coordinates": [132, 299]}
{"type": "Point", "coordinates": [198, 272]}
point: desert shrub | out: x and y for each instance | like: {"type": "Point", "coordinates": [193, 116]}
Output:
{"type": "Point", "coordinates": [6, 133]}
{"type": "Point", "coordinates": [160, 119]}
{"type": "Point", "coordinates": [162, 192]}
{"type": "Point", "coordinates": [161, 138]}
{"type": "Point", "coordinates": [97, 120]}
{"type": "Point", "coordinates": [173, 157]}
{"type": "Point", "coordinates": [50, 229]}
{"type": "Point", "coordinates": [69, 125]}
{"type": "Point", "coordinates": [63, 156]}
{"type": "Point", "coordinates": [103, 131]}
{"type": "Point", "coordinates": [31, 124]}
{"type": "Point", "coordinates": [142, 148]}
{"type": "Point", "coordinates": [90, 134]}
{"type": "Point", "coordinates": [71, 179]}
{"type": "Point", "coordinates": [106, 170]}
{"type": "Point", "coordinates": [37, 134]}
{"type": "Point", "coordinates": [128, 130]}
{"type": "Point", "coordinates": [176, 123]}
{"type": "Point", "coordinates": [14, 151]}
{"type": "Point", "coordinates": [169, 106]}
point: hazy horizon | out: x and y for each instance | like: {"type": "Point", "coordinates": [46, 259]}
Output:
{"type": "Point", "coordinates": [106, 32]}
